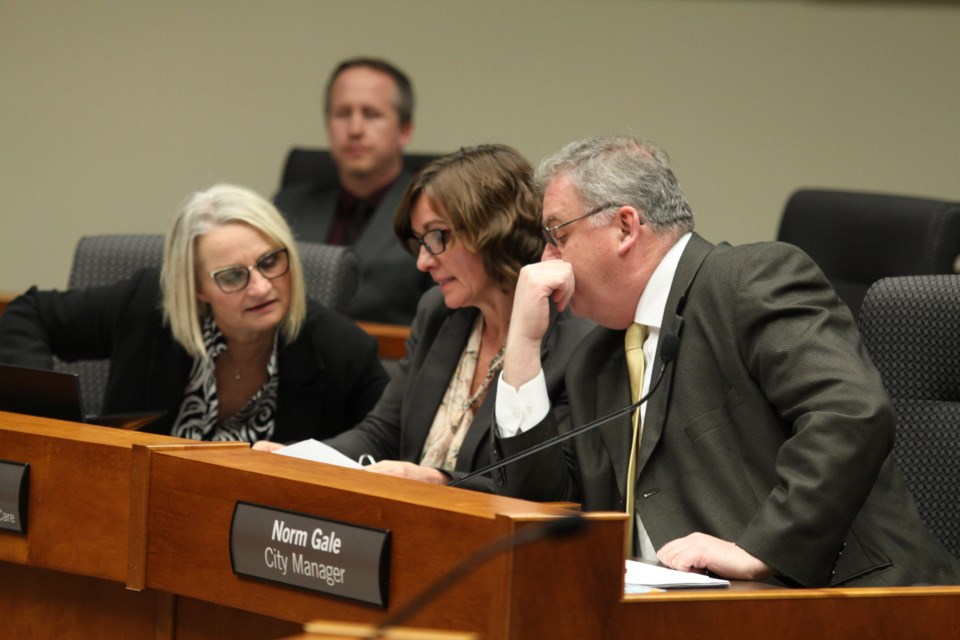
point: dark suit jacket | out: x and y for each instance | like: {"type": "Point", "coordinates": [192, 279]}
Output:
{"type": "Point", "coordinates": [390, 284]}
{"type": "Point", "coordinates": [772, 428]}
{"type": "Point", "coordinates": [330, 375]}
{"type": "Point", "coordinates": [398, 426]}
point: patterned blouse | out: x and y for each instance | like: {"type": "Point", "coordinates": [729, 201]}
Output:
{"type": "Point", "coordinates": [197, 419]}
{"type": "Point", "coordinates": [455, 414]}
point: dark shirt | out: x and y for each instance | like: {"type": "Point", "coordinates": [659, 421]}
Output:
{"type": "Point", "coordinates": [353, 214]}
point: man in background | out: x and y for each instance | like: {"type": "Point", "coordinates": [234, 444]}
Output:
{"type": "Point", "coordinates": [369, 119]}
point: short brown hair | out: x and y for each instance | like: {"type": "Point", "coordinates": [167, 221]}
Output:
{"type": "Point", "coordinates": [487, 195]}
{"type": "Point", "coordinates": [402, 102]}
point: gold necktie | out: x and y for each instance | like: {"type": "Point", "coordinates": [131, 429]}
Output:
{"type": "Point", "coordinates": [633, 345]}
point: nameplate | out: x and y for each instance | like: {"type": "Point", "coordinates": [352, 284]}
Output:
{"type": "Point", "coordinates": [312, 553]}
{"type": "Point", "coordinates": [14, 495]}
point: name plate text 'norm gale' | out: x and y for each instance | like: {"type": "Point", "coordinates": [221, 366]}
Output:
{"type": "Point", "coordinates": [313, 553]}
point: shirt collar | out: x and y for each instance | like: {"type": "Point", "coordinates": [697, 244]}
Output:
{"type": "Point", "coordinates": [653, 300]}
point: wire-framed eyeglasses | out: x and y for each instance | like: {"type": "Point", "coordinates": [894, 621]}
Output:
{"type": "Point", "coordinates": [549, 232]}
{"type": "Point", "coordinates": [271, 266]}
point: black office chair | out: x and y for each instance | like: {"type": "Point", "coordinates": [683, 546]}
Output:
{"type": "Point", "coordinates": [331, 275]}
{"type": "Point", "coordinates": [316, 165]}
{"type": "Point", "coordinates": [858, 238]}
{"type": "Point", "coordinates": [911, 327]}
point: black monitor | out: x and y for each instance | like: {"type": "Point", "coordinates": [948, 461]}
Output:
{"type": "Point", "coordinates": [40, 392]}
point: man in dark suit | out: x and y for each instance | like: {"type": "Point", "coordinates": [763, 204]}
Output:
{"type": "Point", "coordinates": [369, 120]}
{"type": "Point", "coordinates": [766, 451]}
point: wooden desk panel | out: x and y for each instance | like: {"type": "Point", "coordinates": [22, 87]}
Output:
{"type": "Point", "coordinates": [392, 338]}
{"type": "Point", "coordinates": [78, 512]}
{"type": "Point", "coordinates": [100, 496]}
{"type": "Point", "coordinates": [41, 603]}
{"type": "Point", "coordinates": [789, 614]}
{"type": "Point", "coordinates": [191, 500]}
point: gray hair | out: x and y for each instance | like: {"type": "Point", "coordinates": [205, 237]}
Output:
{"type": "Point", "coordinates": [203, 211]}
{"type": "Point", "coordinates": [621, 170]}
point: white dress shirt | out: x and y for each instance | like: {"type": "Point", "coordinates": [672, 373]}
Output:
{"type": "Point", "coordinates": [520, 409]}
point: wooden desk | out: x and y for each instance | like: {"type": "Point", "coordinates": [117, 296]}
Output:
{"type": "Point", "coordinates": [392, 338]}
{"type": "Point", "coordinates": [112, 512]}
{"type": "Point", "coordinates": [432, 529]}
{"type": "Point", "coordinates": [67, 577]}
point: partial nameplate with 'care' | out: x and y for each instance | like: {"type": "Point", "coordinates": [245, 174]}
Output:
{"type": "Point", "coordinates": [14, 495]}
{"type": "Point", "coordinates": [313, 553]}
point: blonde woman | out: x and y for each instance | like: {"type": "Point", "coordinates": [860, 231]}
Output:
{"type": "Point", "coordinates": [223, 340]}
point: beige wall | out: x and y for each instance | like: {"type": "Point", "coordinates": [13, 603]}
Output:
{"type": "Point", "coordinates": [112, 112]}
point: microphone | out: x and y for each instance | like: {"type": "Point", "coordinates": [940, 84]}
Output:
{"type": "Point", "coordinates": [560, 527]}
{"type": "Point", "coordinates": [668, 353]}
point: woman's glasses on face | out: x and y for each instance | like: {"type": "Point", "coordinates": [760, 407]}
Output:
{"type": "Point", "coordinates": [271, 266]}
{"type": "Point", "coordinates": [434, 241]}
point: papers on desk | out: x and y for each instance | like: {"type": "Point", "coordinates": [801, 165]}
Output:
{"type": "Point", "coordinates": [318, 452]}
{"type": "Point", "coordinates": [644, 574]}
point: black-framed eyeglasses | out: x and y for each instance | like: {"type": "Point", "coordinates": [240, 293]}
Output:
{"type": "Point", "coordinates": [434, 241]}
{"type": "Point", "coordinates": [548, 232]}
{"type": "Point", "coordinates": [236, 278]}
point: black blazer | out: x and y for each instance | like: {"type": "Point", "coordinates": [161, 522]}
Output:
{"type": "Point", "coordinates": [398, 426]}
{"type": "Point", "coordinates": [390, 284]}
{"type": "Point", "coordinates": [330, 375]}
{"type": "Point", "coordinates": [772, 428]}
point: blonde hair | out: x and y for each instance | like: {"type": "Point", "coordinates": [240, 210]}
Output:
{"type": "Point", "coordinates": [220, 204]}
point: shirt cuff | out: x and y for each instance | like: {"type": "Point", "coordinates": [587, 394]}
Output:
{"type": "Point", "coordinates": [517, 410]}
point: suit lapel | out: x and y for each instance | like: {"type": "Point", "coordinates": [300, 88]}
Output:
{"type": "Point", "coordinates": [656, 414]}
{"type": "Point", "coordinates": [377, 235]}
{"type": "Point", "coordinates": [316, 225]}
{"type": "Point", "coordinates": [168, 371]}
{"type": "Point", "coordinates": [431, 383]}
{"type": "Point", "coordinates": [302, 384]}
{"type": "Point", "coordinates": [479, 429]}
{"type": "Point", "coordinates": [612, 393]}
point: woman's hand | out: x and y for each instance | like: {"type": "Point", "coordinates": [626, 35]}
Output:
{"type": "Point", "coordinates": [410, 471]}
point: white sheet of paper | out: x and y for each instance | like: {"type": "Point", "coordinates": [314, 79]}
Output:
{"type": "Point", "coordinates": [318, 452]}
{"type": "Point", "coordinates": [651, 575]}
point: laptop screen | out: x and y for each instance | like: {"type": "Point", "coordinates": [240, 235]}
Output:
{"type": "Point", "coordinates": [40, 392]}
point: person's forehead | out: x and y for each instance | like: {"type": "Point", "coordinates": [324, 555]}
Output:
{"type": "Point", "coordinates": [560, 200]}
{"type": "Point", "coordinates": [233, 243]}
{"type": "Point", "coordinates": [363, 79]}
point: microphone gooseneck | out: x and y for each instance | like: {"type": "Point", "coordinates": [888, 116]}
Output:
{"type": "Point", "coordinates": [668, 353]}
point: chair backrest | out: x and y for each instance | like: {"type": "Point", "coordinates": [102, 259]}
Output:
{"type": "Point", "coordinates": [316, 165]}
{"type": "Point", "coordinates": [103, 260]}
{"type": "Point", "coordinates": [858, 238]}
{"type": "Point", "coordinates": [911, 328]}
{"type": "Point", "coordinates": [331, 275]}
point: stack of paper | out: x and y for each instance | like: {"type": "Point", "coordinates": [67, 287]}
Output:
{"type": "Point", "coordinates": [643, 574]}
{"type": "Point", "coordinates": [318, 452]}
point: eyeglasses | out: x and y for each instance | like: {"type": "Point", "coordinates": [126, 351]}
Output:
{"type": "Point", "coordinates": [434, 241]}
{"type": "Point", "coordinates": [548, 232]}
{"type": "Point", "coordinates": [271, 266]}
